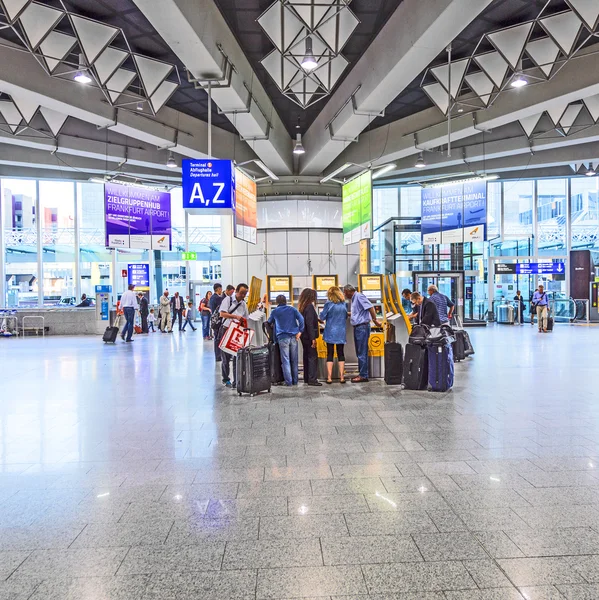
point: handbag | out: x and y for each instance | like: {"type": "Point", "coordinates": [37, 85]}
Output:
{"type": "Point", "coordinates": [235, 338]}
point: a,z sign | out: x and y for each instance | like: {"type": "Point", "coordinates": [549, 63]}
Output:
{"type": "Point", "coordinates": [208, 186]}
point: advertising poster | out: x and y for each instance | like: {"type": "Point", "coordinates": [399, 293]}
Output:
{"type": "Point", "coordinates": [454, 213]}
{"type": "Point", "coordinates": [137, 218]}
{"type": "Point", "coordinates": [208, 186]}
{"type": "Point", "coordinates": [245, 215]}
{"type": "Point", "coordinates": [357, 209]}
{"type": "Point", "coordinates": [139, 276]}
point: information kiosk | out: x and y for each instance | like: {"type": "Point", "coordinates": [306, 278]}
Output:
{"type": "Point", "coordinates": [371, 286]}
{"type": "Point", "coordinates": [277, 285]}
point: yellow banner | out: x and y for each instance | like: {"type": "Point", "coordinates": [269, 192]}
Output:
{"type": "Point", "coordinates": [322, 283]}
{"type": "Point", "coordinates": [279, 284]}
{"type": "Point", "coordinates": [371, 282]}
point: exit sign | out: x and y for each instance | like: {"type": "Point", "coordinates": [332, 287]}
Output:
{"type": "Point", "coordinates": [189, 256]}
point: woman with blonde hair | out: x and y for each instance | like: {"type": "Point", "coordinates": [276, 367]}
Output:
{"type": "Point", "coordinates": [334, 315]}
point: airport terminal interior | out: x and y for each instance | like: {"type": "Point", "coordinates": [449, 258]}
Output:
{"type": "Point", "coordinates": [429, 169]}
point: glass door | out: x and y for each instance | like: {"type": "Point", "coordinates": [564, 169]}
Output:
{"type": "Point", "coordinates": [449, 283]}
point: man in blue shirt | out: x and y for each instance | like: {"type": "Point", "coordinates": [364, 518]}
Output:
{"type": "Point", "coordinates": [362, 312]}
{"type": "Point", "coordinates": [541, 302]}
{"type": "Point", "coordinates": [289, 325]}
{"type": "Point", "coordinates": [443, 304]}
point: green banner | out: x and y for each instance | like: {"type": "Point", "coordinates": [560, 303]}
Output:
{"type": "Point", "coordinates": [357, 209]}
{"type": "Point", "coordinates": [189, 256]}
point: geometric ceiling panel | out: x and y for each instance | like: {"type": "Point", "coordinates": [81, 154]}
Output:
{"type": "Point", "coordinates": [481, 85]}
{"type": "Point", "coordinates": [458, 69]}
{"type": "Point", "coordinates": [588, 11]}
{"type": "Point", "coordinates": [13, 8]}
{"type": "Point", "coordinates": [544, 52]}
{"type": "Point", "coordinates": [330, 72]}
{"type": "Point", "coordinates": [94, 36]}
{"type": "Point", "coordinates": [570, 116]}
{"type": "Point", "coordinates": [151, 72]}
{"type": "Point", "coordinates": [310, 14]}
{"type": "Point", "coordinates": [26, 106]}
{"type": "Point", "coordinates": [55, 48]}
{"type": "Point", "coordinates": [11, 115]}
{"type": "Point", "coordinates": [529, 123]}
{"type": "Point", "coordinates": [510, 42]}
{"type": "Point", "coordinates": [592, 104]}
{"type": "Point", "coordinates": [37, 20]}
{"type": "Point", "coordinates": [336, 29]}
{"type": "Point", "coordinates": [108, 62]}
{"type": "Point", "coordinates": [54, 119]}
{"type": "Point", "coordinates": [273, 64]}
{"type": "Point", "coordinates": [162, 94]}
{"type": "Point", "coordinates": [556, 112]}
{"type": "Point", "coordinates": [119, 82]}
{"type": "Point", "coordinates": [438, 94]}
{"type": "Point", "coordinates": [494, 65]}
{"type": "Point", "coordinates": [564, 29]}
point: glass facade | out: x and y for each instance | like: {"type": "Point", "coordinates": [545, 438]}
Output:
{"type": "Point", "coordinates": [527, 220]}
{"type": "Point", "coordinates": [55, 250]}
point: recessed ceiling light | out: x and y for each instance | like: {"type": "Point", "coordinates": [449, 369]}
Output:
{"type": "Point", "coordinates": [519, 81]}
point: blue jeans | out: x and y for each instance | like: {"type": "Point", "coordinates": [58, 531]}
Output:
{"type": "Point", "coordinates": [288, 347]}
{"type": "Point", "coordinates": [129, 319]}
{"type": "Point", "coordinates": [361, 337]}
{"type": "Point", "coordinates": [205, 325]}
{"type": "Point", "coordinates": [190, 321]}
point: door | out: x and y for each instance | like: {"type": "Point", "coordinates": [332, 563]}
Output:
{"type": "Point", "coordinates": [449, 283]}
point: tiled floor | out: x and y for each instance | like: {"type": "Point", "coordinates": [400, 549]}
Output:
{"type": "Point", "coordinates": [126, 474]}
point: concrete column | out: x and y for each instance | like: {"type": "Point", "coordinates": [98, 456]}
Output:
{"type": "Point", "coordinates": [40, 246]}
{"type": "Point", "coordinates": [3, 301]}
{"type": "Point", "coordinates": [535, 226]}
{"type": "Point", "coordinates": [568, 232]}
{"type": "Point", "coordinates": [77, 263]}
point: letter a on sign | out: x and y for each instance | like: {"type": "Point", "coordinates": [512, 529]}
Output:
{"type": "Point", "coordinates": [196, 194]}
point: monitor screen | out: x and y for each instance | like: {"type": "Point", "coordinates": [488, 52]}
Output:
{"type": "Point", "coordinates": [322, 296]}
{"type": "Point", "coordinates": [372, 294]}
{"type": "Point", "coordinates": [273, 296]}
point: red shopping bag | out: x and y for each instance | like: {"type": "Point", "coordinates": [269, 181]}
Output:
{"type": "Point", "coordinates": [235, 338]}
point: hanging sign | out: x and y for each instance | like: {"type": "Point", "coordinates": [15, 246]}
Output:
{"type": "Point", "coordinates": [208, 186]}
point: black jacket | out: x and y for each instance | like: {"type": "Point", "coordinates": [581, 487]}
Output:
{"type": "Point", "coordinates": [182, 303]}
{"type": "Point", "coordinates": [428, 314]}
{"type": "Point", "coordinates": [311, 329]}
{"type": "Point", "coordinates": [143, 306]}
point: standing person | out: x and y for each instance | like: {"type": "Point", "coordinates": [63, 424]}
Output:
{"type": "Point", "coordinates": [205, 313]}
{"type": "Point", "coordinates": [85, 302]}
{"type": "Point", "coordinates": [143, 312]}
{"type": "Point", "coordinates": [166, 323]}
{"type": "Point", "coordinates": [362, 312]}
{"type": "Point", "coordinates": [334, 314]}
{"type": "Point", "coordinates": [311, 333]}
{"type": "Point", "coordinates": [189, 316]}
{"type": "Point", "coordinates": [215, 320]}
{"type": "Point", "coordinates": [129, 306]}
{"type": "Point", "coordinates": [443, 304]}
{"type": "Point", "coordinates": [533, 308]}
{"type": "Point", "coordinates": [289, 325]}
{"type": "Point", "coordinates": [520, 307]}
{"type": "Point", "coordinates": [407, 305]}
{"type": "Point", "coordinates": [541, 302]}
{"type": "Point", "coordinates": [178, 306]}
{"type": "Point", "coordinates": [151, 321]}
{"type": "Point", "coordinates": [233, 308]}
{"type": "Point", "coordinates": [427, 313]}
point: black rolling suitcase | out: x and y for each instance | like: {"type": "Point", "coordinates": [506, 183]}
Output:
{"type": "Point", "coordinates": [112, 333]}
{"type": "Point", "coordinates": [253, 370]}
{"type": "Point", "coordinates": [468, 348]}
{"type": "Point", "coordinates": [276, 368]}
{"type": "Point", "coordinates": [415, 367]}
{"type": "Point", "coordinates": [393, 363]}
{"type": "Point", "coordinates": [459, 345]}
{"type": "Point", "coordinates": [550, 323]}
{"type": "Point", "coordinates": [440, 367]}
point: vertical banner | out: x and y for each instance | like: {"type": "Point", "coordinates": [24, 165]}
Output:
{"type": "Point", "coordinates": [454, 214]}
{"type": "Point", "coordinates": [245, 215]}
{"type": "Point", "coordinates": [137, 217]}
{"type": "Point", "coordinates": [357, 209]}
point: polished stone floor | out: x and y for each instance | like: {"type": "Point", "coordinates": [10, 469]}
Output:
{"type": "Point", "coordinates": [127, 473]}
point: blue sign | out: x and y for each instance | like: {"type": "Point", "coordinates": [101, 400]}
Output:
{"type": "Point", "coordinates": [139, 276]}
{"type": "Point", "coordinates": [557, 268]}
{"type": "Point", "coordinates": [208, 185]}
{"type": "Point", "coordinates": [103, 289]}
{"type": "Point", "coordinates": [454, 213]}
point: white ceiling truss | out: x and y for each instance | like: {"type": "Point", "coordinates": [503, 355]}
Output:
{"type": "Point", "coordinates": [289, 23]}
{"type": "Point", "coordinates": [19, 111]}
{"type": "Point", "coordinates": [536, 50]}
{"type": "Point", "coordinates": [65, 44]}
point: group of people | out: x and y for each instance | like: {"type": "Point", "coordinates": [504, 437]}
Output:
{"type": "Point", "coordinates": [435, 310]}
{"type": "Point", "coordinates": [300, 325]}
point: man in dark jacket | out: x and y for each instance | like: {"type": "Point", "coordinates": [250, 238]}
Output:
{"type": "Point", "coordinates": [427, 311]}
{"type": "Point", "coordinates": [85, 302]}
{"type": "Point", "coordinates": [177, 308]}
{"type": "Point", "coordinates": [144, 311]}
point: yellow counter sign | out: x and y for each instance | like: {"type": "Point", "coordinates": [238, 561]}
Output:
{"type": "Point", "coordinates": [376, 344]}
{"type": "Point", "coordinates": [324, 282]}
{"type": "Point", "coordinates": [371, 282]}
{"type": "Point", "coordinates": [279, 284]}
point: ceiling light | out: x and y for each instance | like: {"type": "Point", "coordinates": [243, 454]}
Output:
{"type": "Point", "coordinates": [335, 172]}
{"type": "Point", "coordinates": [140, 106]}
{"type": "Point", "coordinates": [309, 62]}
{"type": "Point", "coordinates": [299, 147]}
{"type": "Point", "coordinates": [590, 172]}
{"type": "Point", "coordinates": [383, 170]}
{"type": "Point", "coordinates": [81, 76]}
{"type": "Point", "coordinates": [420, 164]}
{"type": "Point", "coordinates": [171, 163]}
{"type": "Point", "coordinates": [459, 181]}
{"type": "Point", "coordinates": [519, 81]}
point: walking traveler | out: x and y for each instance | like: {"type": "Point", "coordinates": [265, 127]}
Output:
{"type": "Point", "coordinates": [541, 303]}
{"type": "Point", "coordinates": [362, 312]}
{"type": "Point", "coordinates": [334, 315]}
{"type": "Point", "coordinates": [166, 323]}
{"type": "Point", "coordinates": [533, 309]}
{"type": "Point", "coordinates": [205, 314]}
{"type": "Point", "coordinates": [443, 304]}
{"type": "Point", "coordinates": [178, 306]}
{"type": "Point", "coordinates": [215, 320]}
{"type": "Point", "coordinates": [151, 321]}
{"type": "Point", "coordinates": [520, 307]}
{"type": "Point", "coordinates": [306, 308]}
{"type": "Point", "coordinates": [143, 312]}
{"type": "Point", "coordinates": [129, 306]}
{"type": "Point", "coordinates": [189, 316]}
{"type": "Point", "coordinates": [232, 309]}
{"type": "Point", "coordinates": [428, 313]}
{"type": "Point", "coordinates": [289, 325]}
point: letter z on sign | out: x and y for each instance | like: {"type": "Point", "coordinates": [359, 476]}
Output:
{"type": "Point", "coordinates": [198, 194]}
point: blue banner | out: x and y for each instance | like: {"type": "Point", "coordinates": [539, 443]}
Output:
{"type": "Point", "coordinates": [558, 268]}
{"type": "Point", "coordinates": [139, 276]}
{"type": "Point", "coordinates": [208, 186]}
{"type": "Point", "coordinates": [454, 213]}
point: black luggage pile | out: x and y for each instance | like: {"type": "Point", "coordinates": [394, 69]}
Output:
{"type": "Point", "coordinates": [440, 359]}
{"type": "Point", "coordinates": [462, 346]}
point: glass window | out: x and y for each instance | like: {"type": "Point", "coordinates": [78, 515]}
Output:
{"type": "Point", "coordinates": [517, 206]}
{"type": "Point", "coordinates": [493, 210]}
{"type": "Point", "coordinates": [411, 201]}
{"type": "Point", "coordinates": [551, 216]}
{"type": "Point", "coordinates": [18, 204]}
{"type": "Point", "coordinates": [585, 213]}
{"type": "Point", "coordinates": [385, 203]}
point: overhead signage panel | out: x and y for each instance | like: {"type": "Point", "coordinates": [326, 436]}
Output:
{"type": "Point", "coordinates": [139, 276]}
{"type": "Point", "coordinates": [208, 186]}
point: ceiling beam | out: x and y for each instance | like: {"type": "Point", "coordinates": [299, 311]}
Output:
{"type": "Point", "coordinates": [194, 29]}
{"type": "Point", "coordinates": [411, 39]}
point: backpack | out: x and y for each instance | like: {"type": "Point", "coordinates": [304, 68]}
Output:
{"type": "Point", "coordinates": [216, 321]}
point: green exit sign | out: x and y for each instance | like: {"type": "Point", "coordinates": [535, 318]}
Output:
{"type": "Point", "coordinates": [189, 256]}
